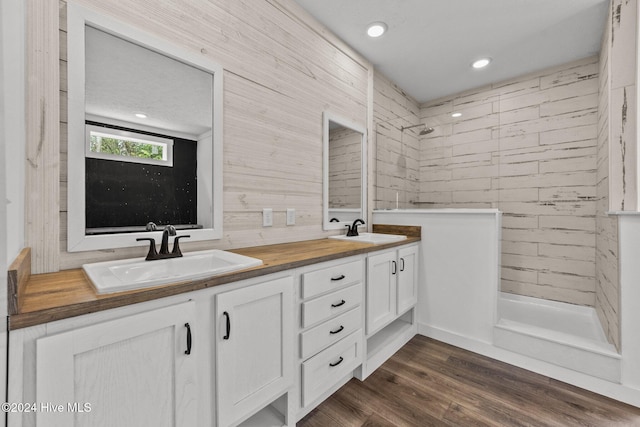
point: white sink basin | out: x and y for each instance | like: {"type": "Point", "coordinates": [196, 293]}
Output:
{"type": "Point", "coordinates": [136, 273]}
{"type": "Point", "coordinates": [374, 238]}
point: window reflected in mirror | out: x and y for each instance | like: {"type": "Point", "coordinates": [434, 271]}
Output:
{"type": "Point", "coordinates": [144, 135]}
{"type": "Point", "coordinates": [138, 170]}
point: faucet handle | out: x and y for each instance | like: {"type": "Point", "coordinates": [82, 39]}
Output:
{"type": "Point", "coordinates": [152, 254]}
{"type": "Point", "coordinates": [176, 246]}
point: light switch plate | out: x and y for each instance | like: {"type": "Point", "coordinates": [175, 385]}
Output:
{"type": "Point", "coordinates": [267, 217]}
{"type": "Point", "coordinates": [291, 216]}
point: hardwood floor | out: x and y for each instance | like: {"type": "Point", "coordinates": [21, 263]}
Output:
{"type": "Point", "coordinates": [429, 383]}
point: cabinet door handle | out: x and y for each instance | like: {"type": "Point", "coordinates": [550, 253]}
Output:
{"type": "Point", "coordinates": [394, 267]}
{"type": "Point", "coordinates": [228, 331]}
{"type": "Point", "coordinates": [337, 331]}
{"type": "Point", "coordinates": [402, 263]}
{"type": "Point", "coordinates": [188, 350]}
{"type": "Point", "coordinates": [340, 277]}
{"type": "Point", "coordinates": [337, 363]}
{"type": "Point", "coordinates": [343, 302]}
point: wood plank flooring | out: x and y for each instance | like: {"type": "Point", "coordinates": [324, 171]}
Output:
{"type": "Point", "coordinates": [429, 383]}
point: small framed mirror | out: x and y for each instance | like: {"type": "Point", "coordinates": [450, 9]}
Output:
{"type": "Point", "coordinates": [344, 171]}
{"type": "Point", "coordinates": [145, 136]}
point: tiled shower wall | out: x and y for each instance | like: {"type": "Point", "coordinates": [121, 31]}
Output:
{"type": "Point", "coordinates": [607, 291]}
{"type": "Point", "coordinates": [617, 158]}
{"type": "Point", "coordinates": [396, 160]}
{"type": "Point", "coordinates": [528, 147]}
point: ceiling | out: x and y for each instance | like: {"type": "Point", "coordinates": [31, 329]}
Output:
{"type": "Point", "coordinates": [430, 44]}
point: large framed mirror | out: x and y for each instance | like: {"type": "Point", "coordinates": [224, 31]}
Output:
{"type": "Point", "coordinates": [344, 171]}
{"type": "Point", "coordinates": [144, 136]}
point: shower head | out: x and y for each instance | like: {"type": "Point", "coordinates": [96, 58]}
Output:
{"type": "Point", "coordinates": [425, 131]}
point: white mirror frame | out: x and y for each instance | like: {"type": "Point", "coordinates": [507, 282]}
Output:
{"type": "Point", "coordinates": [326, 118]}
{"type": "Point", "coordinates": [77, 240]}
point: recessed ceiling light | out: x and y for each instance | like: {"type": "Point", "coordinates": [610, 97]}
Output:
{"type": "Point", "coordinates": [481, 63]}
{"type": "Point", "coordinates": [376, 29]}
{"type": "Point", "coordinates": [456, 115]}
{"type": "Point", "coordinates": [141, 115]}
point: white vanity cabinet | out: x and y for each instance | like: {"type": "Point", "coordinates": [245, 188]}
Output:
{"type": "Point", "coordinates": [392, 286]}
{"type": "Point", "coordinates": [407, 291]}
{"type": "Point", "coordinates": [254, 340]}
{"type": "Point", "coordinates": [261, 352]}
{"type": "Point", "coordinates": [129, 372]}
{"type": "Point", "coordinates": [331, 328]}
{"type": "Point", "coordinates": [392, 280]}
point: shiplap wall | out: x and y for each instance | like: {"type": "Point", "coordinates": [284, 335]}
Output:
{"type": "Point", "coordinates": [607, 290]}
{"type": "Point", "coordinates": [623, 158]}
{"type": "Point", "coordinates": [281, 71]}
{"type": "Point", "coordinates": [345, 168]}
{"type": "Point", "coordinates": [528, 147]}
{"type": "Point", "coordinates": [42, 135]}
{"type": "Point", "coordinates": [617, 160]}
{"type": "Point", "coordinates": [397, 155]}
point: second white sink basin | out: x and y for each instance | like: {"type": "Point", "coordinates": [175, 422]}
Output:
{"type": "Point", "coordinates": [123, 275]}
{"type": "Point", "coordinates": [374, 238]}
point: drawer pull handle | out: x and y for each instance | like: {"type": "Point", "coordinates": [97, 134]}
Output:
{"type": "Point", "coordinates": [340, 277]}
{"type": "Point", "coordinates": [337, 363]}
{"type": "Point", "coordinates": [343, 302]}
{"type": "Point", "coordinates": [228, 331]}
{"type": "Point", "coordinates": [188, 350]}
{"type": "Point", "coordinates": [337, 331]}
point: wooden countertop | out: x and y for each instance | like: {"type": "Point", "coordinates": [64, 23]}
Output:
{"type": "Point", "coordinates": [48, 297]}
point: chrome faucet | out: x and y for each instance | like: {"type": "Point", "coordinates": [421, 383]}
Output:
{"type": "Point", "coordinates": [164, 253]}
{"type": "Point", "coordinates": [352, 230]}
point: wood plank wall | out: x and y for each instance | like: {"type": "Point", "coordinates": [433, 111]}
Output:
{"type": "Point", "coordinates": [606, 226]}
{"type": "Point", "coordinates": [397, 153]}
{"type": "Point", "coordinates": [623, 182]}
{"type": "Point", "coordinates": [282, 70]}
{"type": "Point", "coordinates": [615, 191]}
{"type": "Point", "coordinates": [528, 147]}
{"type": "Point", "coordinates": [42, 135]}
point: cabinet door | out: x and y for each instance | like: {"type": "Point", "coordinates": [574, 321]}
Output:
{"type": "Point", "coordinates": [407, 278]}
{"type": "Point", "coordinates": [128, 372]}
{"type": "Point", "coordinates": [255, 354]}
{"type": "Point", "coordinates": [381, 290]}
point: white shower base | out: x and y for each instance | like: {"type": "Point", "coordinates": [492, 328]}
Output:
{"type": "Point", "coordinates": [563, 334]}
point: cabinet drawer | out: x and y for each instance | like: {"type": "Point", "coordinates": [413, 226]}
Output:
{"type": "Point", "coordinates": [326, 279]}
{"type": "Point", "coordinates": [337, 302]}
{"type": "Point", "coordinates": [319, 337]}
{"type": "Point", "coordinates": [327, 367]}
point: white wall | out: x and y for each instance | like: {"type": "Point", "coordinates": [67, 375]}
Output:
{"type": "Point", "coordinates": [458, 275]}
{"type": "Point", "coordinates": [629, 246]}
